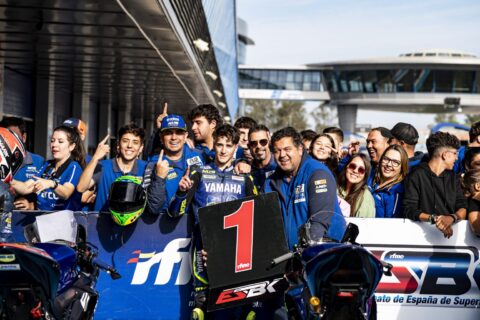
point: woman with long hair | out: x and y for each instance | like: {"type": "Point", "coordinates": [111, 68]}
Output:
{"type": "Point", "coordinates": [387, 189]}
{"type": "Point", "coordinates": [471, 187]}
{"type": "Point", "coordinates": [57, 178]}
{"type": "Point", "coordinates": [323, 149]}
{"type": "Point", "coordinates": [352, 186]}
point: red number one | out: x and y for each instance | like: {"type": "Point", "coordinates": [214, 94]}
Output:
{"type": "Point", "coordinates": [242, 219]}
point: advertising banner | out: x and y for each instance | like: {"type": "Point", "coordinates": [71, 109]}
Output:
{"type": "Point", "coordinates": [432, 277]}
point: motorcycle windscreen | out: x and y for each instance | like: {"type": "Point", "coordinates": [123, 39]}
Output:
{"type": "Point", "coordinates": [343, 264]}
{"type": "Point", "coordinates": [24, 265]}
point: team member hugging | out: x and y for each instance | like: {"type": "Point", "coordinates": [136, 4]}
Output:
{"type": "Point", "coordinates": [433, 192]}
{"type": "Point", "coordinates": [207, 185]}
{"type": "Point", "coordinates": [126, 163]}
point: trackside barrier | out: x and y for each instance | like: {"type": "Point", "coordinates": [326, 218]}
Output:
{"type": "Point", "coordinates": [433, 277]}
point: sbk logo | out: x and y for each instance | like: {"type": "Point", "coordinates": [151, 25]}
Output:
{"type": "Point", "coordinates": [165, 262]}
{"type": "Point", "coordinates": [248, 291]}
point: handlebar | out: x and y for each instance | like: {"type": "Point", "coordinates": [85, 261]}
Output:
{"type": "Point", "coordinates": [107, 268]}
{"type": "Point", "coordinates": [282, 258]}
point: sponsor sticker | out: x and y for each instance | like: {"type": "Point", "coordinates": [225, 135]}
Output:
{"type": "Point", "coordinates": [9, 267]}
{"type": "Point", "coordinates": [6, 258]}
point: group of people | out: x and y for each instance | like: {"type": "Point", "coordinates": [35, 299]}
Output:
{"type": "Point", "coordinates": [317, 178]}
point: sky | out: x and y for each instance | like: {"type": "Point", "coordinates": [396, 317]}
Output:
{"type": "Point", "coordinates": [295, 32]}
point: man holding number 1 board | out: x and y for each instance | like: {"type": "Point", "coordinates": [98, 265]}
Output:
{"type": "Point", "coordinates": [207, 185]}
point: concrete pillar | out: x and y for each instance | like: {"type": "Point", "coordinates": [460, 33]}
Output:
{"type": "Point", "coordinates": [105, 118]}
{"type": "Point", "coordinates": [44, 115]}
{"type": "Point", "coordinates": [81, 109]}
{"type": "Point", "coordinates": [347, 117]}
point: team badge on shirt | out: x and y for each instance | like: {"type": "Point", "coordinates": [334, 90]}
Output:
{"type": "Point", "coordinates": [300, 193]}
{"type": "Point", "coordinates": [320, 186]}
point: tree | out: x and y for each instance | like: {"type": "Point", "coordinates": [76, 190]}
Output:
{"type": "Point", "coordinates": [471, 119]}
{"type": "Point", "coordinates": [325, 116]}
{"type": "Point", "coordinates": [290, 114]}
{"type": "Point", "coordinates": [277, 115]}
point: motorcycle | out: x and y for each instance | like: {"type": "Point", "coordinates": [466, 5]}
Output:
{"type": "Point", "coordinates": [332, 280]}
{"type": "Point", "coordinates": [50, 279]}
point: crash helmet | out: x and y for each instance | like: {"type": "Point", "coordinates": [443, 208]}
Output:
{"type": "Point", "coordinates": [12, 153]}
{"type": "Point", "coordinates": [127, 200]}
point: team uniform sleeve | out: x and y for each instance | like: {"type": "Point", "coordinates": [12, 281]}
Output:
{"type": "Point", "coordinates": [322, 198]}
{"type": "Point", "coordinates": [157, 194]}
{"type": "Point", "coordinates": [72, 175]}
{"type": "Point", "coordinates": [181, 200]}
{"type": "Point", "coordinates": [411, 199]}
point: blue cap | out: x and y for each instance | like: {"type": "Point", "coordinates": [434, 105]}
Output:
{"type": "Point", "coordinates": [173, 121]}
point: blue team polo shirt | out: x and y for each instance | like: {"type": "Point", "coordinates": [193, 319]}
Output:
{"type": "Point", "coordinates": [48, 200]}
{"type": "Point", "coordinates": [105, 174]}
{"type": "Point", "coordinates": [30, 167]}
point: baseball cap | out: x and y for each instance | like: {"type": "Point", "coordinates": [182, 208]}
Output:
{"type": "Point", "coordinates": [406, 132]}
{"type": "Point", "coordinates": [76, 123]}
{"type": "Point", "coordinates": [173, 121]}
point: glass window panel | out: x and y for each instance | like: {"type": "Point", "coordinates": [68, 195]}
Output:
{"type": "Point", "coordinates": [282, 77]}
{"type": "Point", "coordinates": [369, 81]}
{"type": "Point", "coordinates": [290, 86]}
{"type": "Point", "coordinates": [331, 81]}
{"type": "Point", "coordinates": [298, 76]}
{"type": "Point", "coordinates": [343, 81]}
{"type": "Point", "coordinates": [273, 76]}
{"type": "Point", "coordinates": [355, 81]}
{"type": "Point", "coordinates": [443, 81]}
{"type": "Point", "coordinates": [256, 74]}
{"type": "Point", "coordinates": [403, 78]}
{"type": "Point", "coordinates": [385, 81]}
{"type": "Point", "coordinates": [307, 76]}
{"type": "Point", "coordinates": [316, 87]}
{"type": "Point", "coordinates": [290, 76]}
{"type": "Point", "coordinates": [307, 86]}
{"type": "Point", "coordinates": [423, 80]}
{"type": "Point", "coordinates": [298, 85]}
{"type": "Point", "coordinates": [477, 83]}
{"type": "Point", "coordinates": [316, 77]}
{"type": "Point", "coordinates": [463, 81]}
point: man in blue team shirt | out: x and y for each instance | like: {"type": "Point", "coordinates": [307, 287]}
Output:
{"type": "Point", "coordinates": [176, 157]}
{"type": "Point", "coordinates": [103, 173]}
{"type": "Point", "coordinates": [30, 166]}
{"type": "Point", "coordinates": [205, 118]}
{"type": "Point", "coordinates": [263, 164]}
{"type": "Point", "coordinates": [306, 189]}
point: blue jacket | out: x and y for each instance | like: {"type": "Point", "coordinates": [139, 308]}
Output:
{"type": "Point", "coordinates": [209, 155]}
{"type": "Point", "coordinates": [388, 202]}
{"type": "Point", "coordinates": [313, 190]}
{"type": "Point", "coordinates": [211, 186]}
{"type": "Point", "coordinates": [415, 160]}
{"type": "Point", "coordinates": [161, 191]}
{"type": "Point", "coordinates": [261, 174]}
{"type": "Point", "coordinates": [371, 177]}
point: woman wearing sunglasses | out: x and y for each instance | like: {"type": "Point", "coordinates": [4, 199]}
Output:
{"type": "Point", "coordinates": [57, 178]}
{"type": "Point", "coordinates": [322, 148]}
{"type": "Point", "coordinates": [352, 186]}
{"type": "Point", "coordinates": [387, 189]}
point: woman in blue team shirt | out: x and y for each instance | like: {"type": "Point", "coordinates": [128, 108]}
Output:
{"type": "Point", "coordinates": [57, 178]}
{"type": "Point", "coordinates": [387, 189]}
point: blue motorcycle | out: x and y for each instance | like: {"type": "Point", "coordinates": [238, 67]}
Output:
{"type": "Point", "coordinates": [332, 280]}
{"type": "Point", "coordinates": [50, 280]}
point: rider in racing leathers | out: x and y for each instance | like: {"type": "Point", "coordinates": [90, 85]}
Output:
{"type": "Point", "coordinates": [207, 185]}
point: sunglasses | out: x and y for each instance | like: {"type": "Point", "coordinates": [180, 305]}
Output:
{"type": "Point", "coordinates": [253, 143]}
{"type": "Point", "coordinates": [352, 166]}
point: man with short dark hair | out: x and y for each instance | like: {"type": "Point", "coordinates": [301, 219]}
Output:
{"type": "Point", "coordinates": [405, 135]}
{"type": "Point", "coordinates": [307, 137]}
{"type": "Point", "coordinates": [103, 173]}
{"type": "Point", "coordinates": [244, 125]}
{"type": "Point", "coordinates": [306, 188]}
{"type": "Point", "coordinates": [378, 140]}
{"type": "Point", "coordinates": [263, 164]}
{"type": "Point", "coordinates": [432, 190]}
{"type": "Point", "coordinates": [474, 141]}
{"type": "Point", "coordinates": [205, 118]}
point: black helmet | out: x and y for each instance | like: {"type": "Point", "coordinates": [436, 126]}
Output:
{"type": "Point", "coordinates": [127, 200]}
{"type": "Point", "coordinates": [12, 153]}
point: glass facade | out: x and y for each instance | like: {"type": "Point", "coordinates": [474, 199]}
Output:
{"type": "Point", "coordinates": [221, 17]}
{"type": "Point", "coordinates": [403, 80]}
{"type": "Point", "coordinates": [303, 80]}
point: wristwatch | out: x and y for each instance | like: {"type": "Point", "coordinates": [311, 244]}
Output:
{"type": "Point", "coordinates": [432, 218]}
{"type": "Point", "coordinates": [55, 184]}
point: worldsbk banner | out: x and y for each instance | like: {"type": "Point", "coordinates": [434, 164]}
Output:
{"type": "Point", "coordinates": [432, 277]}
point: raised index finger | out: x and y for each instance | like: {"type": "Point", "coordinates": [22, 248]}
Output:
{"type": "Point", "coordinates": [160, 156]}
{"type": "Point", "coordinates": [105, 139]}
{"type": "Point", "coordinates": [165, 108]}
